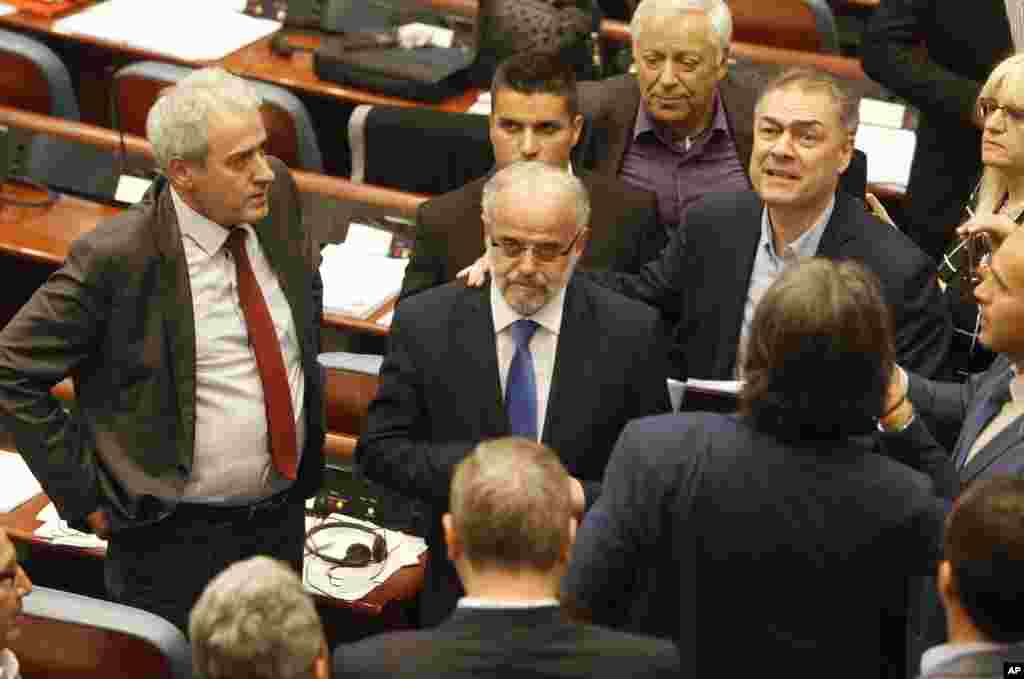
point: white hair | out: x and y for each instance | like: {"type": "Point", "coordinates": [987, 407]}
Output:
{"type": "Point", "coordinates": [535, 177]}
{"type": "Point", "coordinates": [717, 11]}
{"type": "Point", "coordinates": [178, 123]}
{"type": "Point", "coordinates": [255, 620]}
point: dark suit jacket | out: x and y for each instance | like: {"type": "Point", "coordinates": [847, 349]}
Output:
{"type": "Point", "coordinates": [977, 665]}
{"type": "Point", "coordinates": [965, 41]}
{"type": "Point", "coordinates": [118, 318]}
{"type": "Point", "coordinates": [507, 644]}
{"type": "Point", "coordinates": [440, 395]}
{"type": "Point", "coordinates": [954, 405]}
{"type": "Point", "coordinates": [760, 541]}
{"type": "Point", "coordinates": [610, 107]}
{"type": "Point", "coordinates": [624, 231]}
{"type": "Point", "coordinates": [706, 275]}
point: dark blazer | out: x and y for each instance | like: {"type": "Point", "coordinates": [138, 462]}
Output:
{"type": "Point", "coordinates": [977, 665]}
{"type": "Point", "coordinates": [440, 395]}
{"type": "Point", "coordinates": [965, 41]}
{"type": "Point", "coordinates": [757, 540]}
{"type": "Point", "coordinates": [117, 318]}
{"type": "Point", "coordinates": [706, 276]}
{"type": "Point", "coordinates": [953, 405]}
{"type": "Point", "coordinates": [624, 231]}
{"type": "Point", "coordinates": [507, 644]}
{"type": "Point", "coordinates": [610, 107]}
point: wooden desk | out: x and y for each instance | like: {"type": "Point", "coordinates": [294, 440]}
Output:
{"type": "Point", "coordinates": [404, 585]}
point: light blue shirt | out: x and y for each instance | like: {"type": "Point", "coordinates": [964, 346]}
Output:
{"type": "Point", "coordinates": [769, 265]}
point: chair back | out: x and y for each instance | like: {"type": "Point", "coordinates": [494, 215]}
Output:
{"type": "Point", "coordinates": [290, 133]}
{"type": "Point", "coordinates": [33, 78]}
{"type": "Point", "coordinates": [451, 149]}
{"type": "Point", "coordinates": [806, 25]}
{"type": "Point", "coordinates": [69, 636]}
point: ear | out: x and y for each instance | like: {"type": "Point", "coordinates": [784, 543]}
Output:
{"type": "Point", "coordinates": [181, 174]}
{"type": "Point", "coordinates": [947, 584]}
{"type": "Point", "coordinates": [847, 153]}
{"type": "Point", "coordinates": [581, 242]}
{"type": "Point", "coordinates": [577, 128]}
{"type": "Point", "coordinates": [451, 538]}
{"type": "Point", "coordinates": [322, 664]}
{"type": "Point", "coordinates": [723, 66]}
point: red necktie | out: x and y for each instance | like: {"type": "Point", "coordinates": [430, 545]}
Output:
{"type": "Point", "coordinates": [269, 360]}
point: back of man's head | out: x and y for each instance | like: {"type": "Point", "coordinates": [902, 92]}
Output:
{"type": "Point", "coordinates": [255, 621]}
{"type": "Point", "coordinates": [984, 558]}
{"type": "Point", "coordinates": [531, 73]}
{"type": "Point", "coordinates": [511, 508]}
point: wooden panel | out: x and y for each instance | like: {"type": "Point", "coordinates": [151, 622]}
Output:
{"type": "Point", "coordinates": [22, 84]}
{"type": "Point", "coordinates": [788, 24]}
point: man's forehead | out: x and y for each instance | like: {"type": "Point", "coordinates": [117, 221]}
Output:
{"type": "Point", "coordinates": [686, 31]}
{"type": "Point", "coordinates": [795, 104]}
{"type": "Point", "coordinates": [520, 213]}
{"type": "Point", "coordinates": [511, 104]}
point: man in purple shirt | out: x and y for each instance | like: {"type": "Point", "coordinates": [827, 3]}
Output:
{"type": "Point", "coordinates": [681, 127]}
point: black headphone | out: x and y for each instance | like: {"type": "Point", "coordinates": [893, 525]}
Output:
{"type": "Point", "coordinates": [357, 555]}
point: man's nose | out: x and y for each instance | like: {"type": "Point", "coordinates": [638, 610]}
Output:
{"type": "Point", "coordinates": [667, 77]}
{"type": "Point", "coordinates": [528, 146]}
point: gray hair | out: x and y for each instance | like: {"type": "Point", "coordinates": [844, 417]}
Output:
{"type": "Point", "coordinates": [255, 620]}
{"type": "Point", "coordinates": [537, 177]}
{"type": "Point", "coordinates": [815, 80]}
{"type": "Point", "coordinates": [178, 123]}
{"type": "Point", "coordinates": [717, 11]}
{"type": "Point", "coordinates": [510, 505]}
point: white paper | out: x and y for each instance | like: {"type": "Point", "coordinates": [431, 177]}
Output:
{"type": "Point", "coordinates": [890, 153]}
{"type": "Point", "coordinates": [57, 531]}
{"type": "Point", "coordinates": [728, 387]}
{"type": "Point", "coordinates": [191, 30]}
{"type": "Point", "coordinates": [357, 284]}
{"type": "Point", "coordinates": [482, 105]}
{"type": "Point", "coordinates": [17, 484]}
{"type": "Point", "coordinates": [131, 189]}
{"type": "Point", "coordinates": [368, 240]}
{"type": "Point", "coordinates": [350, 584]}
{"type": "Point", "coordinates": [883, 113]}
{"type": "Point", "coordinates": [7, 9]}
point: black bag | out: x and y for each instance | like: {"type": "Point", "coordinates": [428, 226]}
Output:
{"type": "Point", "coordinates": [421, 73]}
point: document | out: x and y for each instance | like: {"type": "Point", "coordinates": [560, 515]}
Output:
{"type": "Point", "coordinates": [890, 152]}
{"type": "Point", "coordinates": [358, 275]}
{"type": "Point", "coordinates": [17, 484]}
{"type": "Point", "coordinates": [189, 30]}
{"type": "Point", "coordinates": [57, 531]}
{"type": "Point", "coordinates": [350, 584]}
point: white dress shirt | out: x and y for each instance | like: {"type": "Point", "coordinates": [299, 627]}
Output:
{"type": "Point", "coordinates": [232, 462]}
{"type": "Point", "coordinates": [9, 668]}
{"type": "Point", "coordinates": [543, 344]}
{"type": "Point", "coordinates": [1015, 15]}
{"type": "Point", "coordinates": [944, 653]}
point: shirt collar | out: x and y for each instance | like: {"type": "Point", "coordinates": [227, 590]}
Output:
{"type": "Point", "coordinates": [207, 234]}
{"type": "Point", "coordinates": [1016, 385]}
{"type": "Point", "coordinates": [947, 653]}
{"type": "Point", "coordinates": [645, 122]}
{"type": "Point", "coordinates": [475, 602]}
{"type": "Point", "coordinates": [549, 316]}
{"type": "Point", "coordinates": [804, 246]}
{"type": "Point", "coordinates": [8, 664]}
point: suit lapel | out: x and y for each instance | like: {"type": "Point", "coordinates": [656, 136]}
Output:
{"type": "Point", "coordinates": [476, 360]}
{"type": "Point", "coordinates": [731, 296]}
{"type": "Point", "coordinates": [838, 231]}
{"type": "Point", "coordinates": [176, 303]}
{"type": "Point", "coordinates": [572, 364]}
{"type": "Point", "coordinates": [622, 96]}
{"type": "Point", "coordinates": [1011, 436]}
{"type": "Point", "coordinates": [995, 448]}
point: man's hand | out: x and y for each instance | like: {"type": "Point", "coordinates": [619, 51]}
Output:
{"type": "Point", "coordinates": [579, 498]}
{"type": "Point", "coordinates": [99, 523]}
{"type": "Point", "coordinates": [876, 208]}
{"type": "Point", "coordinates": [898, 410]}
{"type": "Point", "coordinates": [476, 273]}
{"type": "Point", "coordinates": [997, 227]}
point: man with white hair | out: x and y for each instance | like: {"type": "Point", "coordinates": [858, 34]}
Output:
{"type": "Point", "coordinates": [682, 126]}
{"type": "Point", "coordinates": [256, 621]}
{"type": "Point", "coordinates": [539, 353]}
{"type": "Point", "coordinates": [189, 326]}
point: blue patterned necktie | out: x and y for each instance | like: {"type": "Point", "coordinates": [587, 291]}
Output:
{"type": "Point", "coordinates": [989, 408]}
{"type": "Point", "coordinates": [521, 385]}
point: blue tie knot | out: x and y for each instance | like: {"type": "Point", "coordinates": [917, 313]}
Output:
{"type": "Point", "coordinates": [522, 332]}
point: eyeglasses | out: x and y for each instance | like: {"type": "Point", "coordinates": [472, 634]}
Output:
{"type": "Point", "coordinates": [544, 252]}
{"type": "Point", "coordinates": [987, 107]}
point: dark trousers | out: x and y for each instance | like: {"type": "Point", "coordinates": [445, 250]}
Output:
{"type": "Point", "coordinates": [164, 567]}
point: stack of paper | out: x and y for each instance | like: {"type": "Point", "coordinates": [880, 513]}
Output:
{"type": "Point", "coordinates": [322, 577]}
{"type": "Point", "coordinates": [358, 275]}
{"type": "Point", "coordinates": [190, 30]}
{"type": "Point", "coordinates": [17, 484]}
{"type": "Point", "coordinates": [57, 531]}
{"type": "Point", "coordinates": [889, 147]}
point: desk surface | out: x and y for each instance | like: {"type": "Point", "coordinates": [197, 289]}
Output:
{"type": "Point", "coordinates": [404, 585]}
{"type": "Point", "coordinates": [252, 61]}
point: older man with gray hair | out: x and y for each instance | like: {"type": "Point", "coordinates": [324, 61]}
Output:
{"type": "Point", "coordinates": [540, 353]}
{"type": "Point", "coordinates": [256, 621]}
{"type": "Point", "coordinates": [189, 326]}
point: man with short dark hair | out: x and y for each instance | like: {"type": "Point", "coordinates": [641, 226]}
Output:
{"type": "Point", "coordinates": [980, 585]}
{"type": "Point", "coordinates": [540, 353]}
{"type": "Point", "coordinates": [534, 116]}
{"type": "Point", "coordinates": [508, 531]}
